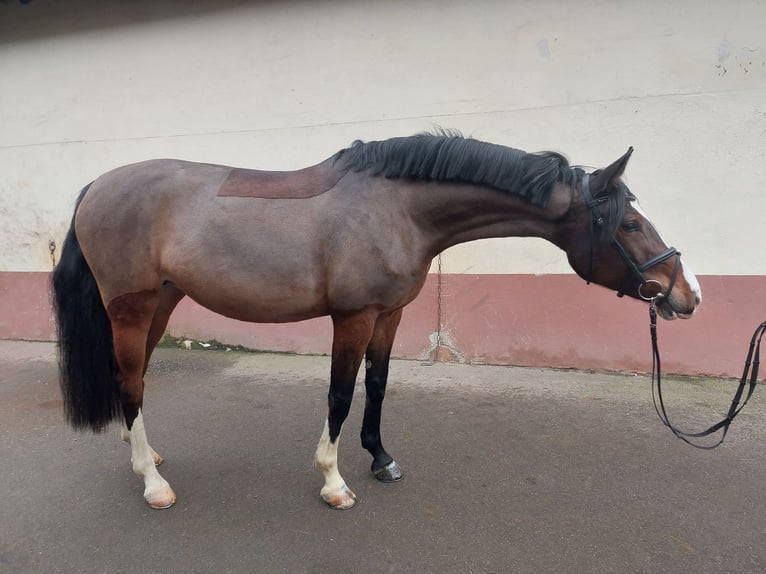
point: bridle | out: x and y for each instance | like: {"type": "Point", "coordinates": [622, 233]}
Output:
{"type": "Point", "coordinates": [636, 269]}
{"type": "Point", "coordinates": [749, 376]}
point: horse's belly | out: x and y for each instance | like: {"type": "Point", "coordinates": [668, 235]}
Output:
{"type": "Point", "coordinates": [257, 300]}
{"type": "Point", "coordinates": [262, 306]}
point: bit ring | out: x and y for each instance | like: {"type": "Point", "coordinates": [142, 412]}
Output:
{"type": "Point", "coordinates": [647, 282]}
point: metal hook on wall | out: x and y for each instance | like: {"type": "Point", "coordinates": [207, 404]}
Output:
{"type": "Point", "coordinates": [52, 250]}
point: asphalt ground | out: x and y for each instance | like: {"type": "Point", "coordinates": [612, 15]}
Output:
{"type": "Point", "coordinates": [506, 470]}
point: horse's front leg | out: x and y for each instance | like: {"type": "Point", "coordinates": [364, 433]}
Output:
{"type": "Point", "coordinates": [384, 467]}
{"type": "Point", "coordinates": [352, 334]}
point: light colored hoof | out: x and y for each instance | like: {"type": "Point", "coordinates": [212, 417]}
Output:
{"type": "Point", "coordinates": [342, 499]}
{"type": "Point", "coordinates": [158, 460]}
{"type": "Point", "coordinates": [161, 499]}
{"type": "Point", "coordinates": [392, 472]}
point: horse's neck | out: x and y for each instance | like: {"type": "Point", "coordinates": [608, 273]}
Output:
{"type": "Point", "coordinates": [454, 213]}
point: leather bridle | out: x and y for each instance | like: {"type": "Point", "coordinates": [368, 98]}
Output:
{"type": "Point", "coordinates": [636, 270]}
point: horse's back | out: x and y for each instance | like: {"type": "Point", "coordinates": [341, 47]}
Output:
{"type": "Point", "coordinates": [163, 220]}
{"type": "Point", "coordinates": [261, 259]}
{"type": "Point", "coordinates": [147, 186]}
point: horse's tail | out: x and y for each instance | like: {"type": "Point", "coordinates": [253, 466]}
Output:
{"type": "Point", "coordinates": [88, 370]}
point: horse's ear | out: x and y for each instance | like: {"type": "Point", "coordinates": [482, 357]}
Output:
{"type": "Point", "coordinates": [607, 179]}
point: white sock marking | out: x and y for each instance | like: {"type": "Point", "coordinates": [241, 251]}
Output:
{"type": "Point", "coordinates": [142, 459]}
{"type": "Point", "coordinates": [326, 460]}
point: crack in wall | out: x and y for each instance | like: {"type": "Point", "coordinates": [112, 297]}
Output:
{"type": "Point", "coordinates": [442, 348]}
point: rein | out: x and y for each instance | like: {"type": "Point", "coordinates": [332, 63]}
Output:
{"type": "Point", "coordinates": [749, 378]}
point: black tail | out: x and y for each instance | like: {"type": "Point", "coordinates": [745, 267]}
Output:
{"type": "Point", "coordinates": [88, 370]}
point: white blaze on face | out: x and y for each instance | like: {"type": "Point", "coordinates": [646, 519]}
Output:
{"type": "Point", "coordinates": [690, 277]}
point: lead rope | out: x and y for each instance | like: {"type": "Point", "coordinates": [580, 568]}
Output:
{"type": "Point", "coordinates": [750, 375]}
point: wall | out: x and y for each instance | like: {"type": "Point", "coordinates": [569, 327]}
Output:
{"type": "Point", "coordinates": [280, 85]}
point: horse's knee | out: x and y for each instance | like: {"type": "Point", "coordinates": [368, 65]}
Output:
{"type": "Point", "coordinates": [376, 390]}
{"type": "Point", "coordinates": [339, 401]}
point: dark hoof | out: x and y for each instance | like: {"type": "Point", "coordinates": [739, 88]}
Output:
{"type": "Point", "coordinates": [392, 472]}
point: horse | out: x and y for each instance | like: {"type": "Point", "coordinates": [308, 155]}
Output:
{"type": "Point", "coordinates": [352, 237]}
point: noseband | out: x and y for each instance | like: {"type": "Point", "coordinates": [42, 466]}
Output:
{"type": "Point", "coordinates": [636, 270]}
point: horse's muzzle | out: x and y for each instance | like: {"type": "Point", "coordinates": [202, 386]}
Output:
{"type": "Point", "coordinates": [670, 308]}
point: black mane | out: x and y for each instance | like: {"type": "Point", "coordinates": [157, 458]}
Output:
{"type": "Point", "coordinates": [448, 156]}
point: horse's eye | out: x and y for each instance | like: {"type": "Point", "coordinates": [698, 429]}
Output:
{"type": "Point", "coordinates": [631, 226]}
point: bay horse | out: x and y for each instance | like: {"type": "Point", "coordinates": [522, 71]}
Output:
{"type": "Point", "coordinates": [351, 237]}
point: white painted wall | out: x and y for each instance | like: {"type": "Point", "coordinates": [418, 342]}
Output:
{"type": "Point", "coordinates": [278, 85]}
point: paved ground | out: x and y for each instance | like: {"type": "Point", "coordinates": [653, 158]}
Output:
{"type": "Point", "coordinates": [507, 470]}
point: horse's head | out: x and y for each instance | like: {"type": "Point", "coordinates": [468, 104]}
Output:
{"type": "Point", "coordinates": [612, 242]}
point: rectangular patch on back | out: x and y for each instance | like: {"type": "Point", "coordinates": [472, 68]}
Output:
{"type": "Point", "coordinates": [306, 182]}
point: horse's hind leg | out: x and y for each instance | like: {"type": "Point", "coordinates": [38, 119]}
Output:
{"type": "Point", "coordinates": [351, 336]}
{"type": "Point", "coordinates": [384, 467]}
{"type": "Point", "coordinates": [125, 435]}
{"type": "Point", "coordinates": [169, 297]}
{"type": "Point", "coordinates": [131, 316]}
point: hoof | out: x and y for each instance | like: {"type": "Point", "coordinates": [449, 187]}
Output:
{"type": "Point", "coordinates": [161, 499]}
{"type": "Point", "coordinates": [342, 499]}
{"type": "Point", "coordinates": [392, 472]}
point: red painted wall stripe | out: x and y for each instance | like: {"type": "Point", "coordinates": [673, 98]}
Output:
{"type": "Point", "coordinates": [540, 321]}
